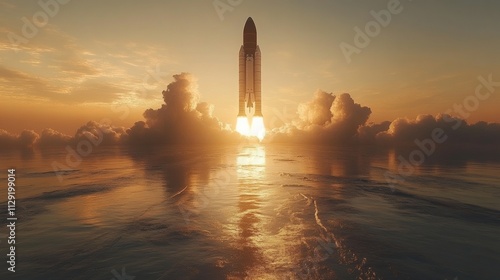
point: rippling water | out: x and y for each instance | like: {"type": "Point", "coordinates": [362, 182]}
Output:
{"type": "Point", "coordinates": [252, 212]}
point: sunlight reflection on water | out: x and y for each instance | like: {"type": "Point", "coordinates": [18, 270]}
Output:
{"type": "Point", "coordinates": [254, 212]}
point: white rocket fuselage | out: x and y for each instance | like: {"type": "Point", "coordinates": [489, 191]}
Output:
{"type": "Point", "coordinates": [249, 73]}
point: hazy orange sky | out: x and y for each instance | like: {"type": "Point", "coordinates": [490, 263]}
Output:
{"type": "Point", "coordinates": [93, 58]}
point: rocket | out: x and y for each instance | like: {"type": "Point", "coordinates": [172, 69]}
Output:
{"type": "Point", "coordinates": [249, 72]}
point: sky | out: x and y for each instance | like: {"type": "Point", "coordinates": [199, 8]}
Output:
{"type": "Point", "coordinates": [94, 60]}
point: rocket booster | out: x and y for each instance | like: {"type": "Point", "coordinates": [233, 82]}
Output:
{"type": "Point", "coordinates": [249, 72]}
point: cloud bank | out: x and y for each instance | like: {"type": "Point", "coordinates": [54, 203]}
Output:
{"type": "Point", "coordinates": [327, 119]}
{"type": "Point", "coordinates": [181, 120]}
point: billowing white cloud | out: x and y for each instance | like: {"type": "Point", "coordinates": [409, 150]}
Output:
{"type": "Point", "coordinates": [326, 119]}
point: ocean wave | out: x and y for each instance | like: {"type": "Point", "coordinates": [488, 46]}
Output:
{"type": "Point", "coordinates": [49, 173]}
{"type": "Point", "coordinates": [422, 204]}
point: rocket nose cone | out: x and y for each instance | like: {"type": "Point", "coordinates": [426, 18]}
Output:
{"type": "Point", "coordinates": [250, 26]}
{"type": "Point", "coordinates": [250, 36]}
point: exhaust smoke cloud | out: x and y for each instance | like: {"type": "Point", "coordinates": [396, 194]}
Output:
{"type": "Point", "coordinates": [327, 119]}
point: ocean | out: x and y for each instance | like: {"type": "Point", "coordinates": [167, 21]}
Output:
{"type": "Point", "coordinates": [250, 211]}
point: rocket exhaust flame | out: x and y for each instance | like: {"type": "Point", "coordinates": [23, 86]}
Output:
{"type": "Point", "coordinates": [250, 84]}
{"type": "Point", "coordinates": [242, 126]}
{"type": "Point", "coordinates": [258, 130]}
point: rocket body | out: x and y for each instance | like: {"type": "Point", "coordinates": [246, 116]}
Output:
{"type": "Point", "coordinates": [249, 73]}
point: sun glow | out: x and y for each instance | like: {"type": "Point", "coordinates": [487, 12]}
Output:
{"type": "Point", "coordinates": [257, 128]}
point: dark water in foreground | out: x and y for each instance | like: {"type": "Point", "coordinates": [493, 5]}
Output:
{"type": "Point", "coordinates": [252, 212]}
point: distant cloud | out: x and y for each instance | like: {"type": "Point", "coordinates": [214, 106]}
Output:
{"type": "Point", "coordinates": [367, 134]}
{"type": "Point", "coordinates": [17, 83]}
{"type": "Point", "coordinates": [457, 131]}
{"type": "Point", "coordinates": [94, 91]}
{"type": "Point", "coordinates": [66, 75]}
{"type": "Point", "coordinates": [182, 119]}
{"type": "Point", "coordinates": [51, 138]}
{"type": "Point", "coordinates": [330, 119]}
{"type": "Point", "coordinates": [77, 66]}
{"type": "Point", "coordinates": [327, 118]}
{"type": "Point", "coordinates": [26, 139]}
{"type": "Point", "coordinates": [9, 74]}
{"type": "Point", "coordinates": [100, 134]}
{"type": "Point", "coordinates": [7, 140]}
{"type": "Point", "coordinates": [317, 111]}
{"type": "Point", "coordinates": [53, 66]}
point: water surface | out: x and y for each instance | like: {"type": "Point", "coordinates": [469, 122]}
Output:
{"type": "Point", "coordinates": [252, 212]}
